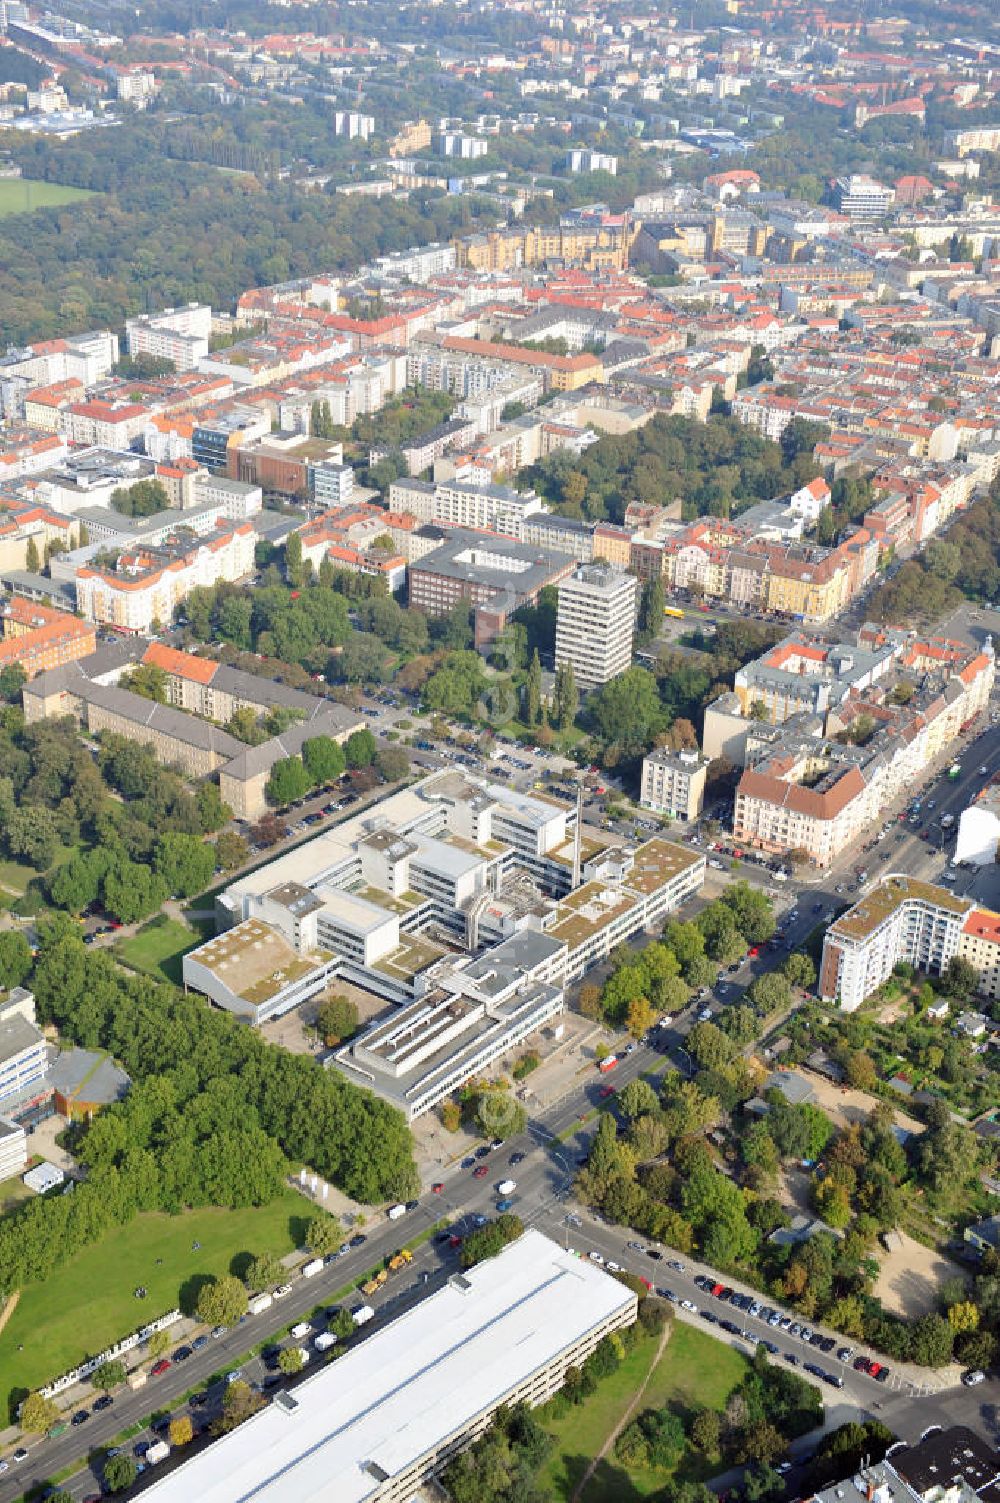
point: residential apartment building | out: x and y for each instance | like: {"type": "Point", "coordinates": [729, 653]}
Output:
{"type": "Point", "coordinates": [353, 125]}
{"type": "Point", "coordinates": [903, 919]}
{"type": "Point", "coordinates": [816, 784]}
{"type": "Point", "coordinates": [590, 161]}
{"type": "Point", "coordinates": [595, 624]}
{"type": "Point", "coordinates": [180, 335]}
{"type": "Point", "coordinates": [39, 637]}
{"type": "Point", "coordinates": [673, 783]}
{"type": "Point", "coordinates": [147, 585]}
{"type": "Point", "coordinates": [180, 739]}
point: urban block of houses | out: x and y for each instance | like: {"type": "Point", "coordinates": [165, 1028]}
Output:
{"type": "Point", "coordinates": [831, 732]}
{"type": "Point", "coordinates": [175, 732]}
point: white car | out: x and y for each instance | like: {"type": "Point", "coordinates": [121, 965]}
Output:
{"type": "Point", "coordinates": [595, 1257]}
{"type": "Point", "coordinates": [282, 1290]}
{"type": "Point", "coordinates": [971, 1379]}
{"type": "Point", "coordinates": [612, 1266]}
{"type": "Point", "coordinates": [690, 1306]}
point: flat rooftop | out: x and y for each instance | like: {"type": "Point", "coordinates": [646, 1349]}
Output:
{"type": "Point", "coordinates": [254, 961]}
{"type": "Point", "coordinates": [413, 954]}
{"type": "Point", "coordinates": [658, 861]}
{"type": "Point", "coordinates": [879, 904]}
{"type": "Point", "coordinates": [587, 910]}
{"type": "Point", "coordinates": [414, 1383]}
{"type": "Point", "coordinates": [590, 846]}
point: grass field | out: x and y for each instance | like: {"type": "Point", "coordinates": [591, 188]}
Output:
{"type": "Point", "coordinates": [14, 878]}
{"type": "Point", "coordinates": [20, 195]}
{"type": "Point", "coordinates": [695, 1371]}
{"type": "Point", "coordinates": [159, 946]}
{"type": "Point", "coordinates": [89, 1302]}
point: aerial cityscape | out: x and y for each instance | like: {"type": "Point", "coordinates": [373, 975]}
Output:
{"type": "Point", "coordinates": [500, 751]}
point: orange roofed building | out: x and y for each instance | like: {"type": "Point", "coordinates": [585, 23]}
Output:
{"type": "Point", "coordinates": [40, 637]}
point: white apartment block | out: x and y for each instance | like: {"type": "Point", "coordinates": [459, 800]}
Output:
{"type": "Point", "coordinates": [591, 161]}
{"type": "Point", "coordinates": [673, 783]}
{"type": "Point", "coordinates": [419, 263]}
{"type": "Point", "coordinates": [147, 587]}
{"type": "Point", "coordinates": [903, 919]}
{"type": "Point", "coordinates": [595, 624]}
{"type": "Point", "coordinates": [353, 125]}
{"type": "Point", "coordinates": [457, 144]}
{"type": "Point", "coordinates": [83, 357]}
{"type": "Point", "coordinates": [178, 334]}
{"type": "Point", "coordinates": [493, 508]}
{"type": "Point", "coordinates": [13, 1148]}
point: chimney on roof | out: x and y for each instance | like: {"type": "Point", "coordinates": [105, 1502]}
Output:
{"type": "Point", "coordinates": [578, 837]}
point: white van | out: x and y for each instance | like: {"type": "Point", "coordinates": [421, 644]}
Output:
{"type": "Point", "coordinates": [394, 1212]}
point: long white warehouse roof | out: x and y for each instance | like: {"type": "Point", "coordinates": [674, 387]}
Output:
{"type": "Point", "coordinates": [409, 1386]}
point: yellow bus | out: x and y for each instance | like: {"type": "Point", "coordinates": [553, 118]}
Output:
{"type": "Point", "coordinates": [672, 610]}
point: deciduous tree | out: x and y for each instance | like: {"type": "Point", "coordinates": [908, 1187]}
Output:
{"type": "Point", "coordinates": [222, 1301]}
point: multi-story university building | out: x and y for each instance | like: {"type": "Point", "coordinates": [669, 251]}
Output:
{"type": "Point", "coordinates": [463, 903]}
{"type": "Point", "coordinates": [380, 1423]}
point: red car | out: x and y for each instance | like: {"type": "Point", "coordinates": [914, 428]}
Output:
{"type": "Point", "coordinates": [874, 1368]}
{"type": "Point", "coordinates": [481, 1172]}
{"type": "Point", "coordinates": [454, 1241]}
{"type": "Point", "coordinates": [159, 1367]}
{"type": "Point", "coordinates": [753, 952]}
{"type": "Point", "coordinates": [437, 1188]}
{"type": "Point", "coordinates": [608, 1090]}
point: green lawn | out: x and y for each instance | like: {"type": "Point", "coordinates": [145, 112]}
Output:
{"type": "Point", "coordinates": [159, 946]}
{"type": "Point", "coordinates": [88, 1301]}
{"type": "Point", "coordinates": [20, 195]}
{"type": "Point", "coordinates": [695, 1371]}
{"type": "Point", "coordinates": [14, 878]}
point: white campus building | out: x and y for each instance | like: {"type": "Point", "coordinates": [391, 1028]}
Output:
{"type": "Point", "coordinates": [378, 1424]}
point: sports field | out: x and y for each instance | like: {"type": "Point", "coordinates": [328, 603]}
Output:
{"type": "Point", "coordinates": [20, 195]}
{"type": "Point", "coordinates": [89, 1301]}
